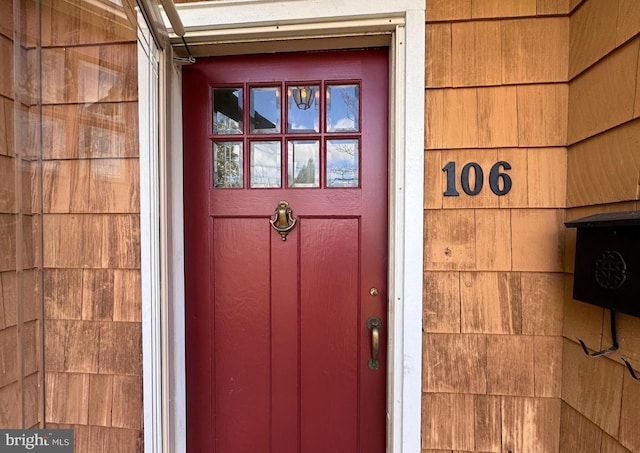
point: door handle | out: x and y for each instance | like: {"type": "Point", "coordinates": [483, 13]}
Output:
{"type": "Point", "coordinates": [374, 324]}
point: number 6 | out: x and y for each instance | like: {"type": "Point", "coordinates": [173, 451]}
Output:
{"type": "Point", "coordinates": [496, 174]}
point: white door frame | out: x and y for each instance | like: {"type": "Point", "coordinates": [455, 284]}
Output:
{"type": "Point", "coordinates": [244, 26]}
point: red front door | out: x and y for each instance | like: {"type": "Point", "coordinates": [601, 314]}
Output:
{"type": "Point", "coordinates": [279, 351]}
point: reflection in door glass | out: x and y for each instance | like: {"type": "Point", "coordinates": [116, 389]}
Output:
{"type": "Point", "coordinates": [304, 163]}
{"type": "Point", "coordinates": [302, 108]}
{"type": "Point", "coordinates": [227, 110]}
{"type": "Point", "coordinates": [265, 110]}
{"type": "Point", "coordinates": [342, 163]}
{"type": "Point", "coordinates": [343, 108]}
{"type": "Point", "coordinates": [227, 165]}
{"type": "Point", "coordinates": [265, 164]}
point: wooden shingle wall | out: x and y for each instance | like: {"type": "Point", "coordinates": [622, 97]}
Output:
{"type": "Point", "coordinates": [600, 400]}
{"type": "Point", "coordinates": [496, 90]}
{"type": "Point", "coordinates": [550, 86]}
{"type": "Point", "coordinates": [91, 233]}
{"type": "Point", "coordinates": [21, 364]}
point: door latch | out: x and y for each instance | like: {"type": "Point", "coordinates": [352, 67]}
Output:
{"type": "Point", "coordinates": [373, 324]}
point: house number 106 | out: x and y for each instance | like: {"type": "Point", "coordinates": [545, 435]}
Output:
{"type": "Point", "coordinates": [496, 177]}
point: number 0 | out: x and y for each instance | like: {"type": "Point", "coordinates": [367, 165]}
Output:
{"type": "Point", "coordinates": [479, 176]}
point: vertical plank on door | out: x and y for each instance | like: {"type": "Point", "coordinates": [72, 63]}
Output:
{"type": "Point", "coordinates": [284, 343]}
{"type": "Point", "coordinates": [329, 312]}
{"type": "Point", "coordinates": [241, 335]}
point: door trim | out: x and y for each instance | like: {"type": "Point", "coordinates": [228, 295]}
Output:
{"type": "Point", "coordinates": [241, 26]}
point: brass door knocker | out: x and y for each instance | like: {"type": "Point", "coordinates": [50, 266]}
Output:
{"type": "Point", "coordinates": [283, 220]}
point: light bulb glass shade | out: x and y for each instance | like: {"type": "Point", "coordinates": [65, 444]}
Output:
{"type": "Point", "coordinates": [303, 97]}
{"type": "Point", "coordinates": [303, 112]}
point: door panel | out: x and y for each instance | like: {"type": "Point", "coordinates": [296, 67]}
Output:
{"type": "Point", "coordinates": [284, 343]}
{"type": "Point", "coordinates": [277, 341]}
{"type": "Point", "coordinates": [329, 320]}
{"type": "Point", "coordinates": [241, 333]}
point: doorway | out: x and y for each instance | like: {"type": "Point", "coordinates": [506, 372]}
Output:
{"type": "Point", "coordinates": [285, 159]}
{"type": "Point", "coordinates": [215, 28]}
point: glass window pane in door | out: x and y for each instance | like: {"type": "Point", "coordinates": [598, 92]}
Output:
{"type": "Point", "coordinates": [265, 164]}
{"type": "Point", "coordinates": [303, 113]}
{"type": "Point", "coordinates": [227, 165]}
{"type": "Point", "coordinates": [265, 110]}
{"type": "Point", "coordinates": [343, 108]}
{"type": "Point", "coordinates": [304, 163]}
{"type": "Point", "coordinates": [227, 111]}
{"type": "Point", "coordinates": [342, 163]}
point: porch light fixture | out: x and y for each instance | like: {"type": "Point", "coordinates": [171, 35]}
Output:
{"type": "Point", "coordinates": [303, 96]}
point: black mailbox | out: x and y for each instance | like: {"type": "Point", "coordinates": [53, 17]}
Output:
{"type": "Point", "coordinates": [607, 269]}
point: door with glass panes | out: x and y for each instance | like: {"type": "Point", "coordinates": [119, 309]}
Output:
{"type": "Point", "coordinates": [285, 183]}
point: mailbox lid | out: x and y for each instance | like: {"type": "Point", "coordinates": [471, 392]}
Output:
{"type": "Point", "coordinates": [609, 219]}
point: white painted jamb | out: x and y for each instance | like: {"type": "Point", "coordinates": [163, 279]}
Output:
{"type": "Point", "coordinates": [230, 14]}
{"type": "Point", "coordinates": [150, 247]}
{"type": "Point", "coordinates": [409, 105]}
